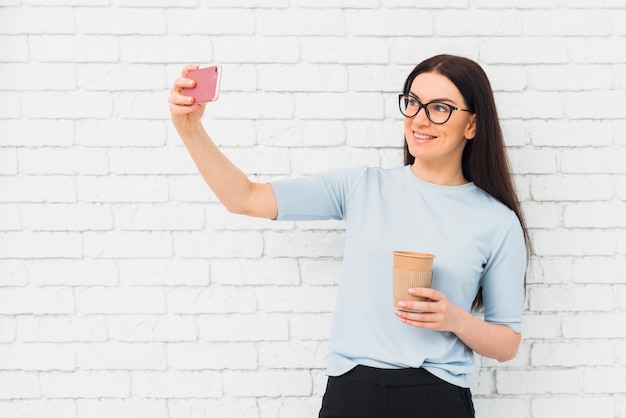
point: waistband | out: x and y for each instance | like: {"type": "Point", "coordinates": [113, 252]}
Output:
{"type": "Point", "coordinates": [393, 377]}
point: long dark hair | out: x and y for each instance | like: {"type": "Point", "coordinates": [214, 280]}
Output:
{"type": "Point", "coordinates": [484, 160]}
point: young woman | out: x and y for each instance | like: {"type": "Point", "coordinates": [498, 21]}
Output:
{"type": "Point", "coordinates": [453, 197]}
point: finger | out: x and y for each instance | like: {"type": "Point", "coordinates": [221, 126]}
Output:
{"type": "Point", "coordinates": [187, 68]}
{"type": "Point", "coordinates": [426, 292]}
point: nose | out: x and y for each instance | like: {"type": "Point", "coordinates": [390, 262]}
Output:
{"type": "Point", "coordinates": [421, 118]}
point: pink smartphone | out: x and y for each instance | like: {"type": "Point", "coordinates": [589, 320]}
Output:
{"type": "Point", "coordinates": [207, 84]}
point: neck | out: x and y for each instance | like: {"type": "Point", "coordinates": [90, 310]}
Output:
{"type": "Point", "coordinates": [435, 175]}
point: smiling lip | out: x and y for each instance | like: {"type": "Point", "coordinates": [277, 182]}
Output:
{"type": "Point", "coordinates": [422, 137]}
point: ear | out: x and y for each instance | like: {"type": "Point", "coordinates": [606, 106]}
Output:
{"type": "Point", "coordinates": [470, 129]}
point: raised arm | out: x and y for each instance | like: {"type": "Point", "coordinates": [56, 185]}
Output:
{"type": "Point", "coordinates": [231, 186]}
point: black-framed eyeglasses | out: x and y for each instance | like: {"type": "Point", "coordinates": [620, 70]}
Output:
{"type": "Point", "coordinates": [436, 112]}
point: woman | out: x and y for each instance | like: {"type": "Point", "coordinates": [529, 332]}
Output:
{"type": "Point", "coordinates": [453, 197]}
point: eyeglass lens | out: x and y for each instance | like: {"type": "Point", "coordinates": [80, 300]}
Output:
{"type": "Point", "coordinates": [435, 112]}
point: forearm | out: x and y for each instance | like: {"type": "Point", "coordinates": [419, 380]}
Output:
{"type": "Point", "coordinates": [231, 186]}
{"type": "Point", "coordinates": [488, 340]}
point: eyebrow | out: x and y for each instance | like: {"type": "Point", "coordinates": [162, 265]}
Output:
{"type": "Point", "coordinates": [443, 99]}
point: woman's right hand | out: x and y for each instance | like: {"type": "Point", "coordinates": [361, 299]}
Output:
{"type": "Point", "coordinates": [186, 114]}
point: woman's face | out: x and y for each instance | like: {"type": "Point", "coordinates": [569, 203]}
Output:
{"type": "Point", "coordinates": [432, 143]}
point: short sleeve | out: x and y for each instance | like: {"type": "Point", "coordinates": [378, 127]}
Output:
{"type": "Point", "coordinates": [317, 197]}
{"type": "Point", "coordinates": [503, 278]}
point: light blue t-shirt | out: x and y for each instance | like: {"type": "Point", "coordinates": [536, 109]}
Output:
{"type": "Point", "coordinates": [477, 241]}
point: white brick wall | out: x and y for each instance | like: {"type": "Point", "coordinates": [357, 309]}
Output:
{"type": "Point", "coordinates": [127, 291]}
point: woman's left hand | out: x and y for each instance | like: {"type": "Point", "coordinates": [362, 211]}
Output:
{"type": "Point", "coordinates": [436, 313]}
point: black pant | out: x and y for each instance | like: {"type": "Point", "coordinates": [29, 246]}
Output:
{"type": "Point", "coordinates": [367, 392]}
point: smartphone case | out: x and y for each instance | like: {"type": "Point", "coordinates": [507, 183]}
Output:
{"type": "Point", "coordinates": [207, 84]}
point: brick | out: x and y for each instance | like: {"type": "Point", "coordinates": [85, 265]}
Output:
{"type": "Point", "coordinates": [201, 408]}
{"type": "Point", "coordinates": [258, 106]}
{"type": "Point", "coordinates": [202, 356]}
{"type": "Point", "coordinates": [37, 357]}
{"type": "Point", "coordinates": [595, 215]}
{"type": "Point", "coordinates": [18, 385]}
{"type": "Point", "coordinates": [63, 161]}
{"type": "Point", "coordinates": [84, 384]}
{"type": "Point", "coordinates": [28, 244]}
{"type": "Point", "coordinates": [320, 272]}
{"type": "Point", "coordinates": [120, 77]}
{"type": "Point", "coordinates": [74, 48]}
{"type": "Point", "coordinates": [479, 23]}
{"type": "Point", "coordinates": [293, 355]}
{"type": "Point", "coordinates": [259, 160]}
{"type": "Point", "coordinates": [37, 20]}
{"type": "Point", "coordinates": [37, 301]}
{"type": "Point", "coordinates": [164, 272]}
{"type": "Point", "coordinates": [120, 21]}
{"type": "Point", "coordinates": [122, 408]}
{"type": "Point", "coordinates": [265, 271]}
{"type": "Point", "coordinates": [28, 77]}
{"type": "Point", "coordinates": [247, 3]}
{"type": "Point", "coordinates": [593, 161]}
{"type": "Point", "coordinates": [301, 22]}
{"type": "Point", "coordinates": [155, 217]}
{"type": "Point", "coordinates": [542, 215]}
{"type": "Point", "coordinates": [310, 326]}
{"type": "Point", "coordinates": [389, 22]}
{"type": "Point", "coordinates": [218, 218]}
{"type": "Point", "coordinates": [572, 354]}
{"type": "Point", "coordinates": [11, 105]}
{"type": "Point", "coordinates": [505, 4]}
{"type": "Point", "coordinates": [532, 162]}
{"type": "Point", "coordinates": [289, 407]}
{"type": "Point", "coordinates": [165, 48]}
{"type": "Point", "coordinates": [571, 243]}
{"type": "Point", "coordinates": [310, 161]}
{"type": "Point", "coordinates": [571, 187]}
{"type": "Point", "coordinates": [13, 272]}
{"type": "Point", "coordinates": [353, 4]}
{"type": "Point", "coordinates": [68, 105]}
{"type": "Point", "coordinates": [252, 50]}
{"type": "Point", "coordinates": [211, 300]}
{"type": "Point", "coordinates": [38, 408]}
{"type": "Point", "coordinates": [303, 78]}
{"type": "Point", "coordinates": [541, 326]}
{"type": "Point", "coordinates": [306, 244]}
{"type": "Point", "coordinates": [573, 298]}
{"type": "Point", "coordinates": [218, 244]}
{"type": "Point", "coordinates": [506, 77]}
{"type": "Point", "coordinates": [149, 328]}
{"type": "Point", "coordinates": [571, 133]}
{"type": "Point", "coordinates": [8, 327]}
{"type": "Point", "coordinates": [278, 133]}
{"type": "Point", "coordinates": [595, 105]}
{"type": "Point", "coordinates": [598, 270]}
{"type": "Point", "coordinates": [67, 272]}
{"type": "Point", "coordinates": [585, 23]}
{"type": "Point", "coordinates": [10, 216]}
{"type": "Point", "coordinates": [549, 270]}
{"type": "Point", "coordinates": [598, 325]}
{"type": "Point", "coordinates": [342, 50]}
{"type": "Point", "coordinates": [120, 301]}
{"type": "Point", "coordinates": [121, 356]}
{"type": "Point", "coordinates": [141, 105]}
{"type": "Point", "coordinates": [599, 51]}
{"type": "Point", "coordinates": [604, 380]}
{"type": "Point", "coordinates": [508, 50]}
{"type": "Point", "coordinates": [14, 48]}
{"type": "Point", "coordinates": [244, 327]}
{"type": "Point", "coordinates": [267, 383]}
{"type": "Point", "coordinates": [376, 78]}
{"type": "Point", "coordinates": [297, 299]}
{"type": "Point", "coordinates": [570, 78]}
{"type": "Point", "coordinates": [122, 189]}
{"type": "Point", "coordinates": [120, 133]}
{"type": "Point", "coordinates": [128, 244]}
{"type": "Point", "coordinates": [374, 134]}
{"type": "Point", "coordinates": [173, 384]}
{"type": "Point", "coordinates": [500, 408]}
{"type": "Point", "coordinates": [339, 106]}
{"type": "Point", "coordinates": [211, 21]}
{"type": "Point", "coordinates": [481, 383]}
{"type": "Point", "coordinates": [25, 132]}
{"type": "Point", "coordinates": [575, 407]}
{"type": "Point", "coordinates": [62, 329]}
{"type": "Point", "coordinates": [529, 104]}
{"type": "Point", "coordinates": [539, 381]}
{"type": "Point", "coordinates": [412, 50]}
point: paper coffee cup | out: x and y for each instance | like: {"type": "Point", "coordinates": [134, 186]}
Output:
{"type": "Point", "coordinates": [410, 270]}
